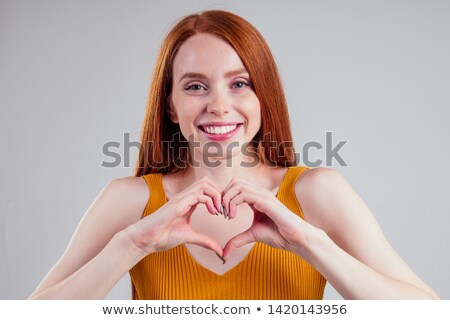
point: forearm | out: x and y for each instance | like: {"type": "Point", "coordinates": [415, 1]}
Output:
{"type": "Point", "coordinates": [352, 278]}
{"type": "Point", "coordinates": [96, 278]}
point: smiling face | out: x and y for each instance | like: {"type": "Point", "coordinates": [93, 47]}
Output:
{"type": "Point", "coordinates": [212, 98]}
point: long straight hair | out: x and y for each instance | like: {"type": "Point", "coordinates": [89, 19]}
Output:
{"type": "Point", "coordinates": [163, 148]}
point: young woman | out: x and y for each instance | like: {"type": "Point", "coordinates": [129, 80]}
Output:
{"type": "Point", "coordinates": [218, 208]}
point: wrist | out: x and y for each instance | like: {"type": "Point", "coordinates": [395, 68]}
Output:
{"type": "Point", "coordinates": [129, 239]}
{"type": "Point", "coordinates": [313, 239]}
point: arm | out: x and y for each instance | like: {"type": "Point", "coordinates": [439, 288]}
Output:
{"type": "Point", "coordinates": [347, 246]}
{"type": "Point", "coordinates": [340, 237]}
{"type": "Point", "coordinates": [111, 237]}
{"type": "Point", "coordinates": [99, 253]}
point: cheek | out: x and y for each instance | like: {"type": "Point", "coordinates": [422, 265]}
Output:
{"type": "Point", "coordinates": [252, 110]}
{"type": "Point", "coordinates": [186, 112]}
{"type": "Point", "coordinates": [182, 108]}
{"type": "Point", "coordinates": [185, 104]}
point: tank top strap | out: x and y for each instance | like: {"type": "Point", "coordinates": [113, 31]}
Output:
{"type": "Point", "coordinates": [286, 193]}
{"type": "Point", "coordinates": [157, 196]}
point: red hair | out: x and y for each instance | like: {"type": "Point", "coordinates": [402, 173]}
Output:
{"type": "Point", "coordinates": [155, 153]}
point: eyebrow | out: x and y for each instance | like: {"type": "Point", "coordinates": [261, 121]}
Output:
{"type": "Point", "coordinates": [202, 76]}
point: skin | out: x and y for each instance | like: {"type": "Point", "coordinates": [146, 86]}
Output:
{"type": "Point", "coordinates": [210, 83]}
{"type": "Point", "coordinates": [339, 236]}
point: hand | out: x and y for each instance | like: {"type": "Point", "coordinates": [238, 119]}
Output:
{"type": "Point", "coordinates": [273, 223]}
{"type": "Point", "coordinates": [170, 226]}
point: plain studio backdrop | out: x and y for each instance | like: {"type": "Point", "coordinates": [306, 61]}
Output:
{"type": "Point", "coordinates": [74, 75]}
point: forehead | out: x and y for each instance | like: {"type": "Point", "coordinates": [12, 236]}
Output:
{"type": "Point", "coordinates": [207, 54]}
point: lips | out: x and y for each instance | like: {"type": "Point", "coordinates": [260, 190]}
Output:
{"type": "Point", "coordinates": [219, 123]}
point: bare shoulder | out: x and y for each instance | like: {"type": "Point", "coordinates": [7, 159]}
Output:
{"type": "Point", "coordinates": [118, 205]}
{"type": "Point", "coordinates": [131, 193]}
{"type": "Point", "coordinates": [318, 175]}
{"type": "Point", "coordinates": [316, 190]}
{"type": "Point", "coordinates": [330, 203]}
{"type": "Point", "coordinates": [314, 182]}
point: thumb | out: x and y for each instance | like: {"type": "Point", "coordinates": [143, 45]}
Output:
{"type": "Point", "coordinates": [238, 241]}
{"type": "Point", "coordinates": [205, 242]}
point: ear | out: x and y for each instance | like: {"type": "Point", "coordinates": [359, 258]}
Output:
{"type": "Point", "coordinates": [172, 113]}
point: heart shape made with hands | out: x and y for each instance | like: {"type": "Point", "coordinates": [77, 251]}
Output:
{"type": "Point", "coordinates": [222, 230]}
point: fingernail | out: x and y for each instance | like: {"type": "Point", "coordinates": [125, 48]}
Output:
{"type": "Point", "coordinates": [223, 210]}
{"type": "Point", "coordinates": [219, 209]}
{"type": "Point", "coordinates": [220, 257]}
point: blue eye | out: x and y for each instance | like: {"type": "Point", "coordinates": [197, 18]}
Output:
{"type": "Point", "coordinates": [194, 87]}
{"type": "Point", "coordinates": [240, 84]}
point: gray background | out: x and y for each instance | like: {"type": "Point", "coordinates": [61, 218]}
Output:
{"type": "Point", "coordinates": [75, 75]}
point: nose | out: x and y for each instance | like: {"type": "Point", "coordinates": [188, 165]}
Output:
{"type": "Point", "coordinates": [218, 102]}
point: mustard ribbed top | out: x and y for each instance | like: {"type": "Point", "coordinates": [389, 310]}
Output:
{"type": "Point", "coordinates": [266, 272]}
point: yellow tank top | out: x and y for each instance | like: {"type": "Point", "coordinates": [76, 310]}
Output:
{"type": "Point", "coordinates": [265, 273]}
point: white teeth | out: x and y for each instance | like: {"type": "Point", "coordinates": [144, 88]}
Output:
{"type": "Point", "coordinates": [220, 130]}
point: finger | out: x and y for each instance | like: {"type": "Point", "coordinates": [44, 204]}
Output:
{"type": "Point", "coordinates": [215, 186]}
{"type": "Point", "coordinates": [228, 193]}
{"type": "Point", "coordinates": [234, 203]}
{"type": "Point", "coordinates": [215, 196]}
{"type": "Point", "coordinates": [196, 198]}
{"type": "Point", "coordinates": [236, 187]}
{"type": "Point", "coordinates": [243, 196]}
{"type": "Point", "coordinates": [208, 187]}
{"type": "Point", "coordinates": [228, 196]}
{"type": "Point", "coordinates": [259, 202]}
{"type": "Point", "coordinates": [205, 242]}
{"type": "Point", "coordinates": [238, 241]}
{"type": "Point", "coordinates": [208, 181]}
{"type": "Point", "coordinates": [232, 183]}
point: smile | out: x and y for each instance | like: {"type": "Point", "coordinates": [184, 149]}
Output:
{"type": "Point", "coordinates": [220, 132]}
